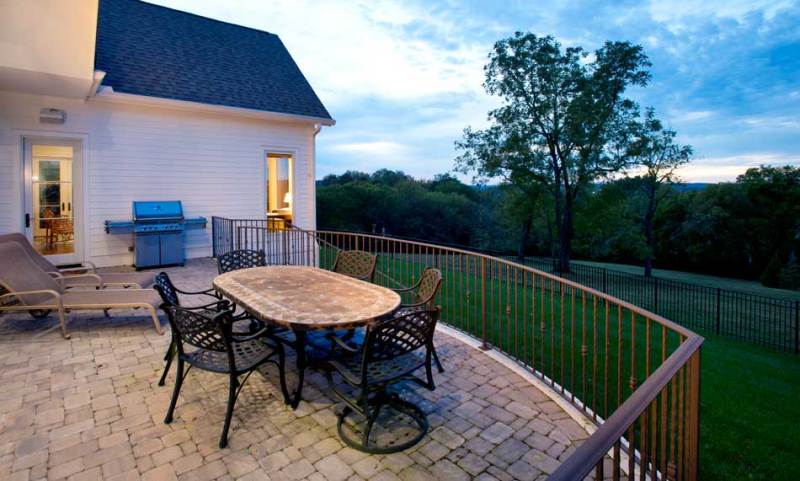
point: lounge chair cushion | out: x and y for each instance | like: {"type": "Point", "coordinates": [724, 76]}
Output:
{"type": "Point", "coordinates": [107, 298]}
{"type": "Point", "coordinates": [38, 259]}
{"type": "Point", "coordinates": [19, 274]}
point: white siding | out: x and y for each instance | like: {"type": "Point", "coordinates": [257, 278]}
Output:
{"type": "Point", "coordinates": [214, 163]}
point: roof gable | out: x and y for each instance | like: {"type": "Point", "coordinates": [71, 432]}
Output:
{"type": "Point", "coordinates": [155, 51]}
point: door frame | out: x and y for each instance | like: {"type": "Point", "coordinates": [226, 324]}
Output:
{"type": "Point", "coordinates": [79, 187]}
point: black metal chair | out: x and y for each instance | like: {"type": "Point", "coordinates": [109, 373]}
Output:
{"type": "Point", "coordinates": [421, 296]}
{"type": "Point", "coordinates": [216, 348]}
{"type": "Point", "coordinates": [211, 300]}
{"type": "Point", "coordinates": [390, 355]}
{"type": "Point", "coordinates": [241, 259]}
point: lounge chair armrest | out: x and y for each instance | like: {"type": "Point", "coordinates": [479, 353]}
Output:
{"type": "Point", "coordinates": [341, 343]}
{"type": "Point", "coordinates": [17, 294]}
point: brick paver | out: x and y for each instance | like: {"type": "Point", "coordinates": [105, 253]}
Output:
{"type": "Point", "coordinates": [90, 408]}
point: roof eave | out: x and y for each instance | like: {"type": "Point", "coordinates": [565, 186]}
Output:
{"type": "Point", "coordinates": [108, 95]}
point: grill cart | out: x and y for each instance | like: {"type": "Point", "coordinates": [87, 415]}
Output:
{"type": "Point", "coordinates": [159, 228]}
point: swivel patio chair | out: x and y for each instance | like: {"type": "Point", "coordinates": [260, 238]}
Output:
{"type": "Point", "coordinates": [390, 355]}
{"type": "Point", "coordinates": [205, 340]}
{"type": "Point", "coordinates": [32, 289]}
{"type": "Point", "coordinates": [81, 276]}
{"type": "Point", "coordinates": [208, 299]}
{"type": "Point", "coordinates": [421, 296]}
{"type": "Point", "coordinates": [240, 259]}
{"type": "Point", "coordinates": [356, 264]}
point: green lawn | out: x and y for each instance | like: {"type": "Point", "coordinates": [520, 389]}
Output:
{"type": "Point", "coordinates": [750, 412]}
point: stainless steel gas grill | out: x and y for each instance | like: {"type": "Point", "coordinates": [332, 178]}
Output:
{"type": "Point", "coordinates": [159, 229]}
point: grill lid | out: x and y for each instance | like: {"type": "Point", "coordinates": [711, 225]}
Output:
{"type": "Point", "coordinates": [157, 210]}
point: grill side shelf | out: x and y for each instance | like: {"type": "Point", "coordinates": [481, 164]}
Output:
{"type": "Point", "coordinates": [119, 227]}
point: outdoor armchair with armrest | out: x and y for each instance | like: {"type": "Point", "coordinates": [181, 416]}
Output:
{"type": "Point", "coordinates": [421, 296]}
{"type": "Point", "coordinates": [210, 300]}
{"type": "Point", "coordinates": [214, 347]}
{"type": "Point", "coordinates": [35, 290]}
{"type": "Point", "coordinates": [86, 276]}
{"type": "Point", "coordinates": [389, 355]}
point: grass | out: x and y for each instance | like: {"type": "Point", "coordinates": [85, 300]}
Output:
{"type": "Point", "coordinates": [750, 412]}
{"type": "Point", "coordinates": [752, 287]}
{"type": "Point", "coordinates": [749, 394]}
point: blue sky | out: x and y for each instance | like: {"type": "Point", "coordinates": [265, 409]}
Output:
{"type": "Point", "coordinates": [403, 78]}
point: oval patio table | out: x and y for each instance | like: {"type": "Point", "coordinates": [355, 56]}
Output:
{"type": "Point", "coordinates": [304, 298]}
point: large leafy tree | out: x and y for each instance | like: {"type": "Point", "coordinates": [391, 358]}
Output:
{"type": "Point", "coordinates": [564, 122]}
{"type": "Point", "coordinates": [660, 156]}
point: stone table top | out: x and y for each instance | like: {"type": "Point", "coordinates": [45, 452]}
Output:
{"type": "Point", "coordinates": [305, 298]}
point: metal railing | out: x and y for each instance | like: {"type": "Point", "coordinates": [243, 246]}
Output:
{"type": "Point", "coordinates": [633, 373]}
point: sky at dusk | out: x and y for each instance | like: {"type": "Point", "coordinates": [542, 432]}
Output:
{"type": "Point", "coordinates": [403, 78]}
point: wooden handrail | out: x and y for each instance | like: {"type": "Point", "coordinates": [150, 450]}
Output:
{"type": "Point", "coordinates": [592, 451]}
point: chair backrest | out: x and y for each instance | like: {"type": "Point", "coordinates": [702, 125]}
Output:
{"type": "Point", "coordinates": [166, 289]}
{"type": "Point", "coordinates": [428, 286]}
{"type": "Point", "coordinates": [19, 273]}
{"type": "Point", "coordinates": [201, 329]}
{"type": "Point", "coordinates": [240, 259]}
{"type": "Point", "coordinates": [357, 264]}
{"type": "Point", "coordinates": [38, 259]}
{"type": "Point", "coordinates": [390, 338]}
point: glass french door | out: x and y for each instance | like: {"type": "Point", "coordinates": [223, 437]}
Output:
{"type": "Point", "coordinates": [52, 198]}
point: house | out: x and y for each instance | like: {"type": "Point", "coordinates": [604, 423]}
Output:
{"type": "Point", "coordinates": [103, 103]}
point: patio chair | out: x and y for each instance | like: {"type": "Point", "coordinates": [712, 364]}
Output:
{"type": "Point", "coordinates": [390, 355]}
{"type": "Point", "coordinates": [208, 299]}
{"type": "Point", "coordinates": [357, 264]}
{"type": "Point", "coordinates": [82, 276]}
{"type": "Point", "coordinates": [35, 290]}
{"type": "Point", "coordinates": [216, 348]}
{"type": "Point", "coordinates": [421, 296]}
{"type": "Point", "coordinates": [240, 259]}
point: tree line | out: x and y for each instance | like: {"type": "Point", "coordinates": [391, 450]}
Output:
{"type": "Point", "coordinates": [747, 229]}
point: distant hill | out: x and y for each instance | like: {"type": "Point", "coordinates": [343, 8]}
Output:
{"type": "Point", "coordinates": [689, 186]}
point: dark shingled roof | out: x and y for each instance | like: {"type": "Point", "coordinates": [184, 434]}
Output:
{"type": "Point", "coordinates": [155, 51]}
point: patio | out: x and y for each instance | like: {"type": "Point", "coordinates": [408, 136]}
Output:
{"type": "Point", "coordinates": [90, 408]}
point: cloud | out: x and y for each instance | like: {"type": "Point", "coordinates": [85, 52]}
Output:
{"type": "Point", "coordinates": [403, 78]}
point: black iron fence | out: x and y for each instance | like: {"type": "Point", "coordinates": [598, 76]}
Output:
{"type": "Point", "coordinates": [769, 321]}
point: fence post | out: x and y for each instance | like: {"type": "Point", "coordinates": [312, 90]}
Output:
{"type": "Point", "coordinates": [605, 280]}
{"type": "Point", "coordinates": [796, 327]}
{"type": "Point", "coordinates": [655, 295]}
{"type": "Point", "coordinates": [719, 305]}
{"type": "Point", "coordinates": [485, 345]}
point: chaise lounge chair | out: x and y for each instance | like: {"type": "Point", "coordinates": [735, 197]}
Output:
{"type": "Point", "coordinates": [82, 276]}
{"type": "Point", "coordinates": [35, 290]}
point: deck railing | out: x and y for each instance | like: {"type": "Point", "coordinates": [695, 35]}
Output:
{"type": "Point", "coordinates": [633, 373]}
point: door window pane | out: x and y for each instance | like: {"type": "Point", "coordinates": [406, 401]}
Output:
{"type": "Point", "coordinates": [51, 186]}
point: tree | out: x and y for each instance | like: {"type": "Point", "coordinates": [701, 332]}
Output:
{"type": "Point", "coordinates": [656, 151]}
{"type": "Point", "coordinates": [564, 122]}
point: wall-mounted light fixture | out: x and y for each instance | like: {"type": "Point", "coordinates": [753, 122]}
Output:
{"type": "Point", "coordinates": [52, 116]}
